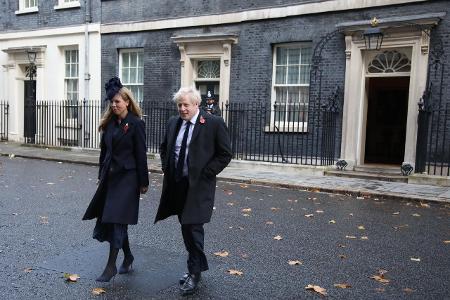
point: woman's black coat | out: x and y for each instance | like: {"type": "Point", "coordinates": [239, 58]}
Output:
{"type": "Point", "coordinates": [123, 171]}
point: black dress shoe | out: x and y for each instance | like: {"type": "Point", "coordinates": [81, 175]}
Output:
{"type": "Point", "coordinates": [183, 278]}
{"type": "Point", "coordinates": [190, 284]}
{"type": "Point", "coordinates": [127, 264]}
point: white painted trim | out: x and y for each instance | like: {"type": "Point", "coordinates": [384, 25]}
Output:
{"type": "Point", "coordinates": [251, 15]}
{"type": "Point", "coordinates": [27, 10]}
{"type": "Point", "coordinates": [64, 5]}
{"type": "Point", "coordinates": [95, 27]}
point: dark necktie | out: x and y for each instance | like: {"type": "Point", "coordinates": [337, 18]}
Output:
{"type": "Point", "coordinates": [182, 154]}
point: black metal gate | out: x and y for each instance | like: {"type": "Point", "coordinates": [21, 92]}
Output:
{"type": "Point", "coordinates": [29, 126]}
{"type": "Point", "coordinates": [4, 111]}
{"type": "Point", "coordinates": [433, 136]}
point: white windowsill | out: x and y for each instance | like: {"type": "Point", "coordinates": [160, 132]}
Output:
{"type": "Point", "coordinates": [287, 128]}
{"type": "Point", "coordinates": [26, 10]}
{"type": "Point", "coordinates": [67, 5]}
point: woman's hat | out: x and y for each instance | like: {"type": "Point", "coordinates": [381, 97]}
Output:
{"type": "Point", "coordinates": [112, 87]}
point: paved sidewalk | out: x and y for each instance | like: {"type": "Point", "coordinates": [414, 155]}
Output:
{"type": "Point", "coordinates": [288, 176]}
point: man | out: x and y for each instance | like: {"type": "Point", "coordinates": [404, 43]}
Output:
{"type": "Point", "coordinates": [211, 106]}
{"type": "Point", "coordinates": [195, 149]}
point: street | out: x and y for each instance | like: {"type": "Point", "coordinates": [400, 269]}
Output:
{"type": "Point", "coordinates": [262, 243]}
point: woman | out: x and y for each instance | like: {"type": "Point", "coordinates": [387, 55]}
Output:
{"type": "Point", "coordinates": [123, 175]}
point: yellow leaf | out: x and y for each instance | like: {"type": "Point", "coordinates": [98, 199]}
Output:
{"type": "Point", "coordinates": [415, 215]}
{"type": "Point", "coordinates": [71, 277]}
{"type": "Point", "coordinates": [408, 290]}
{"type": "Point", "coordinates": [235, 272]}
{"type": "Point", "coordinates": [342, 256]}
{"type": "Point", "coordinates": [342, 285]}
{"type": "Point", "coordinates": [350, 237]}
{"type": "Point", "coordinates": [275, 208]}
{"type": "Point", "coordinates": [425, 205]}
{"type": "Point", "coordinates": [295, 262]}
{"type": "Point", "coordinates": [380, 278]}
{"type": "Point", "coordinates": [246, 210]}
{"type": "Point", "coordinates": [221, 253]}
{"type": "Point", "coordinates": [415, 258]}
{"type": "Point", "coordinates": [317, 289]}
{"type": "Point", "coordinates": [278, 237]}
{"type": "Point", "coordinates": [332, 222]}
{"type": "Point", "coordinates": [309, 215]}
{"type": "Point", "coordinates": [98, 291]}
{"type": "Point", "coordinates": [244, 186]}
{"type": "Point", "coordinates": [364, 238]}
{"type": "Point", "coordinates": [360, 227]}
{"type": "Point", "coordinates": [447, 242]}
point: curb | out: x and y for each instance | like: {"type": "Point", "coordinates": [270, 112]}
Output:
{"type": "Point", "coordinates": [269, 183]}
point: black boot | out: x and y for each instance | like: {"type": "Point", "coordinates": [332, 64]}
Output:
{"type": "Point", "coordinates": [128, 259]}
{"type": "Point", "coordinates": [110, 269]}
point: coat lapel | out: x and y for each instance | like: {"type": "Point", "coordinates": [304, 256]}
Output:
{"type": "Point", "coordinates": [198, 125]}
{"type": "Point", "coordinates": [122, 132]}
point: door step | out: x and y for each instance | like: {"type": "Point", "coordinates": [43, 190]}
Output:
{"type": "Point", "coordinates": [372, 174]}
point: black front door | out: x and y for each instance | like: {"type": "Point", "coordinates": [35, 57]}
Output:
{"type": "Point", "coordinates": [29, 126]}
{"type": "Point", "coordinates": [386, 120]}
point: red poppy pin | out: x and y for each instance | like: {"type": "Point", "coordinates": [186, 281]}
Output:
{"type": "Point", "coordinates": [125, 128]}
{"type": "Point", "coordinates": [202, 120]}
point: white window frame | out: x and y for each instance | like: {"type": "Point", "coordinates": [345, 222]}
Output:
{"type": "Point", "coordinates": [138, 97]}
{"type": "Point", "coordinates": [286, 126]}
{"type": "Point", "coordinates": [25, 10]}
{"type": "Point", "coordinates": [69, 115]}
{"type": "Point", "coordinates": [64, 4]}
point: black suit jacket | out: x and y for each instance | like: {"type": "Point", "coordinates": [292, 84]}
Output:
{"type": "Point", "coordinates": [209, 153]}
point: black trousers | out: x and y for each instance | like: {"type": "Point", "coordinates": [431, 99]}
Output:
{"type": "Point", "coordinates": [193, 234]}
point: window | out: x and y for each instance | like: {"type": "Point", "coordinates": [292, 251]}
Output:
{"type": "Point", "coordinates": [71, 83]}
{"type": "Point", "coordinates": [292, 63]}
{"type": "Point", "coordinates": [62, 4]}
{"type": "Point", "coordinates": [27, 6]}
{"type": "Point", "coordinates": [131, 65]}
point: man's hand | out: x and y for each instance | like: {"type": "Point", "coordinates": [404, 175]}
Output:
{"type": "Point", "coordinates": [144, 189]}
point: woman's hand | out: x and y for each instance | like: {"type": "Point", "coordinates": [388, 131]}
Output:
{"type": "Point", "coordinates": [144, 189]}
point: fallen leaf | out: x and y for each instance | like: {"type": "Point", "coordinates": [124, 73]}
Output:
{"type": "Point", "coordinates": [28, 270]}
{"type": "Point", "coordinates": [341, 246]}
{"type": "Point", "coordinates": [230, 203]}
{"type": "Point", "coordinates": [71, 277]}
{"type": "Point", "coordinates": [415, 258]}
{"type": "Point", "coordinates": [235, 272]}
{"type": "Point", "coordinates": [332, 222]}
{"type": "Point", "coordinates": [12, 155]}
{"type": "Point", "coordinates": [415, 215]}
{"type": "Point", "coordinates": [342, 285]}
{"type": "Point", "coordinates": [241, 228]}
{"type": "Point", "coordinates": [319, 211]}
{"type": "Point", "coordinates": [44, 220]}
{"type": "Point", "coordinates": [380, 290]}
{"type": "Point", "coordinates": [342, 256]}
{"type": "Point", "coordinates": [361, 227]}
{"type": "Point", "coordinates": [295, 262]}
{"type": "Point", "coordinates": [350, 237]}
{"type": "Point", "coordinates": [246, 215]}
{"type": "Point", "coordinates": [246, 210]}
{"type": "Point", "coordinates": [408, 290]}
{"type": "Point", "coordinates": [400, 226]}
{"type": "Point", "coordinates": [275, 208]}
{"type": "Point", "coordinates": [350, 214]}
{"type": "Point", "coordinates": [424, 205]}
{"type": "Point", "coordinates": [50, 183]}
{"type": "Point", "coordinates": [244, 186]}
{"type": "Point", "coordinates": [364, 238]}
{"type": "Point", "coordinates": [314, 190]}
{"type": "Point", "coordinates": [317, 289]}
{"type": "Point", "coordinates": [396, 213]}
{"type": "Point", "coordinates": [278, 237]}
{"type": "Point", "coordinates": [269, 223]}
{"type": "Point", "coordinates": [359, 197]}
{"type": "Point", "coordinates": [309, 215]}
{"type": "Point", "coordinates": [447, 242]}
{"type": "Point", "coordinates": [98, 291]}
{"type": "Point", "coordinates": [380, 279]}
{"type": "Point", "coordinates": [221, 253]}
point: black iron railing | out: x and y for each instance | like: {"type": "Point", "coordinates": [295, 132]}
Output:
{"type": "Point", "coordinates": [258, 131]}
{"type": "Point", "coordinates": [4, 112]}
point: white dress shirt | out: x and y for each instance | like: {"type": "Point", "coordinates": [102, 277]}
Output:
{"type": "Point", "coordinates": [179, 140]}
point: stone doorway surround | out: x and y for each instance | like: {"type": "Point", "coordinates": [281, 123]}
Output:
{"type": "Point", "coordinates": [203, 47]}
{"type": "Point", "coordinates": [400, 35]}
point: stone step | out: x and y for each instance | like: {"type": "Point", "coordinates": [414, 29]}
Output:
{"type": "Point", "coordinates": [379, 169]}
{"type": "Point", "coordinates": [367, 175]}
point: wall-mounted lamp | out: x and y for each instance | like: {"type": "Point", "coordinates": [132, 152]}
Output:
{"type": "Point", "coordinates": [373, 37]}
{"type": "Point", "coordinates": [31, 72]}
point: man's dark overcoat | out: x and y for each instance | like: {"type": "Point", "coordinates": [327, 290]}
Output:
{"type": "Point", "coordinates": [123, 171]}
{"type": "Point", "coordinates": [209, 153]}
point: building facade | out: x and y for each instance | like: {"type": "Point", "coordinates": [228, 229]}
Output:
{"type": "Point", "coordinates": [50, 52]}
{"type": "Point", "coordinates": [308, 63]}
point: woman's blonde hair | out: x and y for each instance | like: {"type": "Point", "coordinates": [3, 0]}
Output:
{"type": "Point", "coordinates": [133, 107]}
